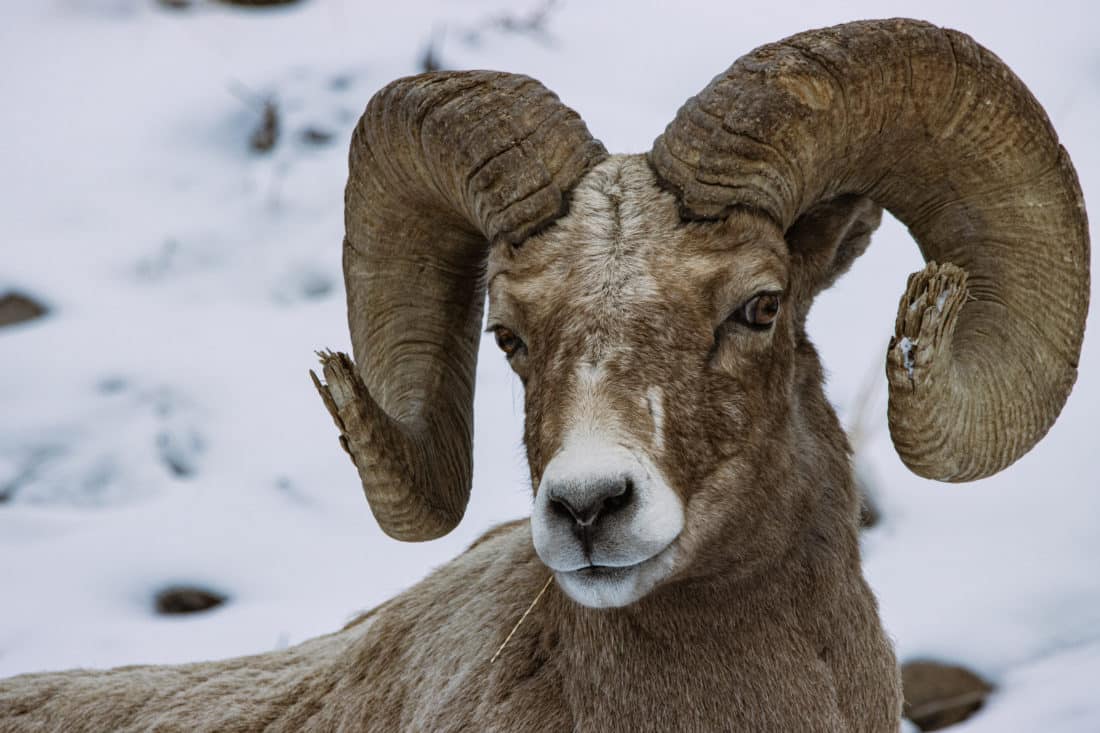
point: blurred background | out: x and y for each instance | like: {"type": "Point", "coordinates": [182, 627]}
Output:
{"type": "Point", "coordinates": [171, 488]}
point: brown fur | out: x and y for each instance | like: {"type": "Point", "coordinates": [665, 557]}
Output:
{"type": "Point", "coordinates": [766, 623]}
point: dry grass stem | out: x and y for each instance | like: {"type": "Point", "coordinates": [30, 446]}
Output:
{"type": "Point", "coordinates": [516, 627]}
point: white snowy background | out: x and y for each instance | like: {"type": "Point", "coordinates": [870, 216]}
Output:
{"type": "Point", "coordinates": [159, 426]}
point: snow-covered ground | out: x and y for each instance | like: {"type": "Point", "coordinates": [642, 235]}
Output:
{"type": "Point", "coordinates": [159, 426]}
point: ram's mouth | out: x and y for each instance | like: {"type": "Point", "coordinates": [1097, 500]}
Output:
{"type": "Point", "coordinates": [614, 586]}
{"type": "Point", "coordinates": [605, 572]}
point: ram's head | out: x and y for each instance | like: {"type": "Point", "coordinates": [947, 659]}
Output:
{"type": "Point", "coordinates": [653, 305]}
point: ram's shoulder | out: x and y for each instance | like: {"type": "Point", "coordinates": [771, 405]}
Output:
{"type": "Point", "coordinates": [511, 530]}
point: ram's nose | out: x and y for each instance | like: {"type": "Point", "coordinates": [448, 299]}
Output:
{"type": "Point", "coordinates": [602, 513]}
{"type": "Point", "coordinates": [587, 501]}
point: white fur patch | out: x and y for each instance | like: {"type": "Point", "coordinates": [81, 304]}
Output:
{"type": "Point", "coordinates": [630, 550]}
{"type": "Point", "coordinates": [655, 400]}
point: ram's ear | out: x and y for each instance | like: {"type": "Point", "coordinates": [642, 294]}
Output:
{"type": "Point", "coordinates": [826, 240]}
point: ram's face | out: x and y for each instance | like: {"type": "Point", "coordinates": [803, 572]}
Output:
{"type": "Point", "coordinates": [656, 357]}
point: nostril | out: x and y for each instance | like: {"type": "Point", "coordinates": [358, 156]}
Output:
{"type": "Point", "coordinates": [621, 499]}
{"type": "Point", "coordinates": [583, 503]}
{"type": "Point", "coordinates": [562, 508]}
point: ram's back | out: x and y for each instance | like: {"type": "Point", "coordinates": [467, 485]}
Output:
{"type": "Point", "coordinates": [418, 662]}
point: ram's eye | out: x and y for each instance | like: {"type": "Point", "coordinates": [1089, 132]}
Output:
{"type": "Point", "coordinates": [508, 342]}
{"type": "Point", "coordinates": [760, 311]}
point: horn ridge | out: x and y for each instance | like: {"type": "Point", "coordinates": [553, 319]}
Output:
{"type": "Point", "coordinates": [440, 166]}
{"type": "Point", "coordinates": [940, 132]}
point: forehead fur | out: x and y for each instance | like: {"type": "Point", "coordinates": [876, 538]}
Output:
{"type": "Point", "coordinates": [605, 239]}
{"type": "Point", "coordinates": [623, 247]}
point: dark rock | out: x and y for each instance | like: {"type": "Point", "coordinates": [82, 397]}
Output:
{"type": "Point", "coordinates": [179, 450]}
{"type": "Point", "coordinates": [258, 3]}
{"type": "Point", "coordinates": [186, 599]}
{"type": "Point", "coordinates": [17, 308]}
{"type": "Point", "coordinates": [316, 136]}
{"type": "Point", "coordinates": [939, 695]}
{"type": "Point", "coordinates": [266, 133]}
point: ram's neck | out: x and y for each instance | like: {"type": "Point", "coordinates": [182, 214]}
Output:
{"type": "Point", "coordinates": [757, 648]}
{"type": "Point", "coordinates": [761, 642]}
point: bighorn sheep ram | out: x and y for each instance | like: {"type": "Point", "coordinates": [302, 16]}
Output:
{"type": "Point", "coordinates": [693, 498]}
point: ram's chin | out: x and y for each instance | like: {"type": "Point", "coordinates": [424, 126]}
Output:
{"type": "Point", "coordinates": [614, 587]}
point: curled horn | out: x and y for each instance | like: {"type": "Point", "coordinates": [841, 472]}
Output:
{"type": "Point", "coordinates": [442, 166]}
{"type": "Point", "coordinates": [940, 132]}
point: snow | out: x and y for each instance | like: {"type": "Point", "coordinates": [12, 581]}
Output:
{"type": "Point", "coordinates": [907, 347]}
{"type": "Point", "coordinates": [159, 426]}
